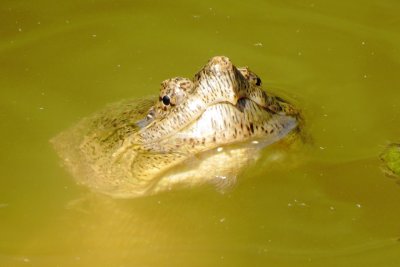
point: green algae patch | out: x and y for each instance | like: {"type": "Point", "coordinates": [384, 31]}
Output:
{"type": "Point", "coordinates": [391, 158]}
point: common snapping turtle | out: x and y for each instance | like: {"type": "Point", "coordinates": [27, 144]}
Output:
{"type": "Point", "coordinates": [196, 131]}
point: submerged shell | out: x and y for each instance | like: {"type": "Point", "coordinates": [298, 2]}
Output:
{"type": "Point", "coordinates": [88, 149]}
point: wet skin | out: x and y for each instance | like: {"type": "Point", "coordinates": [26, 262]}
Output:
{"type": "Point", "coordinates": [138, 148]}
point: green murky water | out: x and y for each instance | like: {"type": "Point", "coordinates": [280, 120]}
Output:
{"type": "Point", "coordinates": [60, 61]}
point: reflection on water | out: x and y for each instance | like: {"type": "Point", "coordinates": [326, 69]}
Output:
{"type": "Point", "coordinates": [330, 205]}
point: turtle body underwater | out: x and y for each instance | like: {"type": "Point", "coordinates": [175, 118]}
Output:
{"type": "Point", "coordinates": [197, 131]}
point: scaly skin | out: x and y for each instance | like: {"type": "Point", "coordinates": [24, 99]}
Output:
{"type": "Point", "coordinates": [135, 148]}
{"type": "Point", "coordinates": [219, 81]}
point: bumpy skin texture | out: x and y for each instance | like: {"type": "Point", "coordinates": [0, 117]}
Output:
{"type": "Point", "coordinates": [137, 148]}
{"type": "Point", "coordinates": [218, 81]}
{"type": "Point", "coordinates": [176, 90]}
{"type": "Point", "coordinates": [391, 159]}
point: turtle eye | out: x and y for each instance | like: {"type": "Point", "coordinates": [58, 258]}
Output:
{"type": "Point", "coordinates": [166, 100]}
{"type": "Point", "coordinates": [258, 82]}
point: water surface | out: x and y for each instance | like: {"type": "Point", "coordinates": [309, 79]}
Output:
{"type": "Point", "coordinates": [62, 61]}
